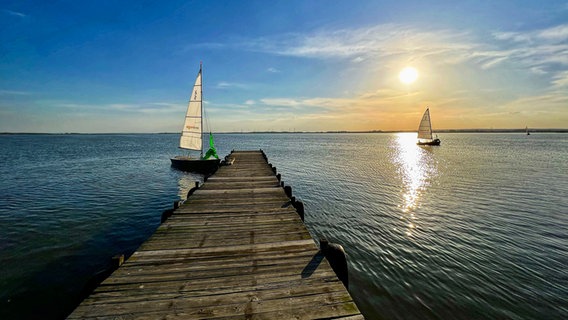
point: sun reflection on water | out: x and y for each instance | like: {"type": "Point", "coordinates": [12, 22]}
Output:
{"type": "Point", "coordinates": [416, 168]}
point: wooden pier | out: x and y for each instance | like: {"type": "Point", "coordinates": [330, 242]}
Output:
{"type": "Point", "coordinates": [235, 249]}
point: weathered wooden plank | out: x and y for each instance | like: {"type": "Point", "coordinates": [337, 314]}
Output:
{"type": "Point", "coordinates": [141, 275]}
{"type": "Point", "coordinates": [194, 307]}
{"type": "Point", "coordinates": [297, 259]}
{"type": "Point", "coordinates": [206, 286]}
{"type": "Point", "coordinates": [216, 178]}
{"type": "Point", "coordinates": [235, 293]}
{"type": "Point", "coordinates": [204, 241]}
{"type": "Point", "coordinates": [254, 203]}
{"type": "Point", "coordinates": [191, 233]}
{"type": "Point", "coordinates": [235, 249]}
{"type": "Point", "coordinates": [242, 185]}
{"type": "Point", "coordinates": [262, 208]}
{"type": "Point", "coordinates": [229, 249]}
{"type": "Point", "coordinates": [284, 207]}
{"type": "Point", "coordinates": [234, 220]}
{"type": "Point", "coordinates": [178, 232]}
{"type": "Point", "coordinates": [235, 256]}
{"type": "Point", "coordinates": [212, 301]}
{"type": "Point", "coordinates": [251, 235]}
{"type": "Point", "coordinates": [172, 230]}
{"type": "Point", "coordinates": [188, 228]}
{"type": "Point", "coordinates": [213, 227]}
{"type": "Point", "coordinates": [215, 196]}
{"type": "Point", "coordinates": [275, 189]}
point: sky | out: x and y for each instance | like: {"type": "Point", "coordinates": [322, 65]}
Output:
{"type": "Point", "coordinates": [129, 66]}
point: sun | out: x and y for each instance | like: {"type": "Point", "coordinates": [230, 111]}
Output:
{"type": "Point", "coordinates": [408, 75]}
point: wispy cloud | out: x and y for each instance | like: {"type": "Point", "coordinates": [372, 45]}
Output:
{"type": "Point", "coordinates": [146, 108]}
{"type": "Point", "coordinates": [561, 79]}
{"type": "Point", "coordinates": [272, 70]}
{"type": "Point", "coordinates": [283, 102]}
{"type": "Point", "coordinates": [491, 62]}
{"type": "Point", "coordinates": [14, 93]}
{"type": "Point", "coordinates": [225, 85]}
{"type": "Point", "coordinates": [204, 45]}
{"type": "Point", "coordinates": [312, 114]}
{"type": "Point", "coordinates": [541, 52]}
{"type": "Point", "coordinates": [360, 43]}
{"type": "Point", "coordinates": [536, 48]}
{"type": "Point", "coordinates": [558, 33]}
{"type": "Point", "coordinates": [14, 13]}
{"type": "Point", "coordinates": [513, 36]}
{"type": "Point", "coordinates": [316, 105]}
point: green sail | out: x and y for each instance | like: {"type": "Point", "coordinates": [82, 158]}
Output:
{"type": "Point", "coordinates": [212, 152]}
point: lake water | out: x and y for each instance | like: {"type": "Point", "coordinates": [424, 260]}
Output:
{"type": "Point", "coordinates": [476, 228]}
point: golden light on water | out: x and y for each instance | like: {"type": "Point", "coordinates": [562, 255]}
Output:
{"type": "Point", "coordinates": [415, 169]}
{"type": "Point", "coordinates": [410, 167]}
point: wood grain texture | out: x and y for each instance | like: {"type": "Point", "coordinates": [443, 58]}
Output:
{"type": "Point", "coordinates": [235, 249]}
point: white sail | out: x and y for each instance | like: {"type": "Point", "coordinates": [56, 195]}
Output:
{"type": "Point", "coordinates": [425, 128]}
{"type": "Point", "coordinates": [191, 132]}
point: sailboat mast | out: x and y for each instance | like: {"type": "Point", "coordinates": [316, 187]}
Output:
{"type": "Point", "coordinates": [201, 104]}
{"type": "Point", "coordinates": [430, 122]}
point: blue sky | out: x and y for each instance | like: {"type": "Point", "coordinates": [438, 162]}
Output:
{"type": "Point", "coordinates": [128, 66]}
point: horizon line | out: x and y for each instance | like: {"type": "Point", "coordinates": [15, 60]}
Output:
{"type": "Point", "coordinates": [474, 130]}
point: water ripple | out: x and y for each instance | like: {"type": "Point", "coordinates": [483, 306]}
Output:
{"type": "Point", "coordinates": [473, 229]}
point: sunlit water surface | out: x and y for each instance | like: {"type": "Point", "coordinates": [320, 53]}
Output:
{"type": "Point", "coordinates": [476, 228]}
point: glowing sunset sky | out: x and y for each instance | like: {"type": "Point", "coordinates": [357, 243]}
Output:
{"type": "Point", "coordinates": [128, 66]}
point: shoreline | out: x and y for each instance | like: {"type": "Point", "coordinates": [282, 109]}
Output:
{"type": "Point", "coordinates": [520, 130]}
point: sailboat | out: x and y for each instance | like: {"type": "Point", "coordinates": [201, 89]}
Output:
{"type": "Point", "coordinates": [425, 131]}
{"type": "Point", "coordinates": [192, 136]}
{"type": "Point", "coordinates": [527, 131]}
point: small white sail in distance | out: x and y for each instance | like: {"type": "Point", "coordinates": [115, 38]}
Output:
{"type": "Point", "coordinates": [191, 132]}
{"type": "Point", "coordinates": [425, 127]}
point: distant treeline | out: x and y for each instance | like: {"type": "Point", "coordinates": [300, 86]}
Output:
{"type": "Point", "coordinates": [436, 131]}
{"type": "Point", "coordinates": [522, 130]}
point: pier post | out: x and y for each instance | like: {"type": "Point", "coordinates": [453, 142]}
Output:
{"type": "Point", "coordinates": [117, 261]}
{"type": "Point", "coordinates": [337, 258]}
{"type": "Point", "coordinates": [168, 213]}
{"type": "Point", "coordinates": [192, 190]}
{"type": "Point", "coordinates": [288, 191]}
{"type": "Point", "coordinates": [299, 205]}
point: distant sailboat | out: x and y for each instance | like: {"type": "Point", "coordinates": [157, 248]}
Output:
{"type": "Point", "coordinates": [192, 136]}
{"type": "Point", "coordinates": [425, 131]}
{"type": "Point", "coordinates": [527, 131]}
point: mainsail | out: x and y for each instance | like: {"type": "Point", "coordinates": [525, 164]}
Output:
{"type": "Point", "coordinates": [191, 132]}
{"type": "Point", "coordinates": [425, 128]}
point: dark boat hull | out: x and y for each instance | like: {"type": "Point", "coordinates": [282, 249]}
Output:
{"type": "Point", "coordinates": [435, 142]}
{"type": "Point", "coordinates": [195, 165]}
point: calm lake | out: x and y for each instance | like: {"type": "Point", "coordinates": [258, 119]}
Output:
{"type": "Point", "coordinates": [476, 228]}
